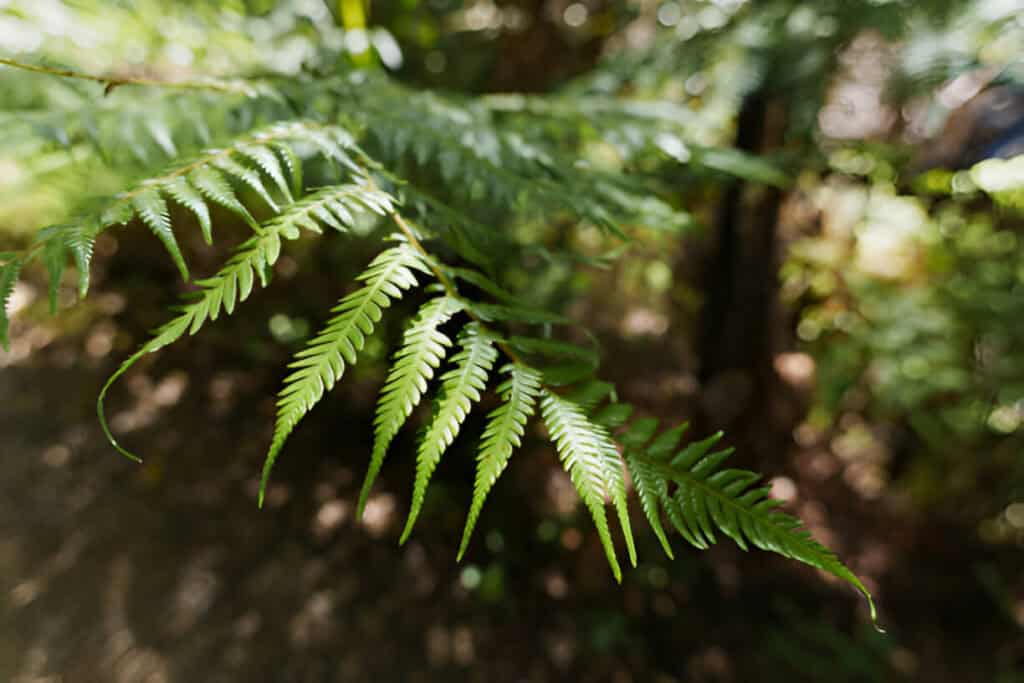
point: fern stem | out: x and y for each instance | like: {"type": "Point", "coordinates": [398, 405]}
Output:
{"type": "Point", "coordinates": [111, 82]}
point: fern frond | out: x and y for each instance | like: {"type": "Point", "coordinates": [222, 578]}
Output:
{"type": "Point", "coordinates": [234, 281]}
{"type": "Point", "coordinates": [460, 389]}
{"type": "Point", "coordinates": [267, 161]}
{"type": "Point", "coordinates": [651, 490]}
{"type": "Point", "coordinates": [9, 271]}
{"type": "Point", "coordinates": [503, 434]}
{"type": "Point", "coordinates": [152, 210]}
{"type": "Point", "coordinates": [592, 461]}
{"type": "Point", "coordinates": [322, 363]}
{"type": "Point", "coordinates": [206, 179]}
{"type": "Point", "coordinates": [423, 348]}
{"type": "Point", "coordinates": [707, 497]}
{"type": "Point", "coordinates": [189, 197]}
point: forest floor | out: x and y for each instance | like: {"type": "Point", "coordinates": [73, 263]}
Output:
{"type": "Point", "coordinates": [167, 571]}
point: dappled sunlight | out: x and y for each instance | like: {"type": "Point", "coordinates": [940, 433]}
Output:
{"type": "Point", "coordinates": [732, 287]}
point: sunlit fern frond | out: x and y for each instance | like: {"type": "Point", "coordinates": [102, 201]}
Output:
{"type": "Point", "coordinates": [423, 348]}
{"type": "Point", "coordinates": [461, 387]}
{"type": "Point", "coordinates": [322, 363]}
{"type": "Point", "coordinates": [503, 434]}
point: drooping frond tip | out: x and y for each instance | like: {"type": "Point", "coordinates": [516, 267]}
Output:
{"type": "Point", "coordinates": [699, 497]}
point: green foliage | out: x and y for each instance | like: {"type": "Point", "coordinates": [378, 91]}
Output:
{"type": "Point", "coordinates": [322, 362]}
{"type": "Point", "coordinates": [707, 497]}
{"type": "Point", "coordinates": [334, 206]}
{"type": "Point", "coordinates": [504, 433]}
{"type": "Point", "coordinates": [460, 389]}
{"type": "Point", "coordinates": [592, 461]}
{"type": "Point", "coordinates": [8, 277]}
{"type": "Point", "coordinates": [424, 347]}
{"type": "Point", "coordinates": [463, 181]}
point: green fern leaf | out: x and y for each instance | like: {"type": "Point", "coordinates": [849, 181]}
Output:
{"type": "Point", "coordinates": [555, 348]}
{"type": "Point", "coordinates": [651, 490]}
{"type": "Point", "coordinates": [234, 281]}
{"type": "Point", "coordinates": [268, 162]}
{"type": "Point", "coordinates": [79, 240]}
{"type": "Point", "coordinates": [588, 452]}
{"type": "Point", "coordinates": [503, 434]}
{"type": "Point", "coordinates": [423, 348]}
{"type": "Point", "coordinates": [322, 363]}
{"type": "Point", "coordinates": [293, 164]}
{"type": "Point", "coordinates": [517, 314]}
{"type": "Point", "coordinates": [247, 176]}
{"type": "Point", "coordinates": [708, 497]}
{"type": "Point", "coordinates": [152, 210]}
{"type": "Point", "coordinates": [460, 389]}
{"type": "Point", "coordinates": [8, 276]}
{"type": "Point", "coordinates": [214, 187]}
{"type": "Point", "coordinates": [187, 196]}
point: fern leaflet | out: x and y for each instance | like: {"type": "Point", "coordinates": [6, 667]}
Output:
{"type": "Point", "coordinates": [503, 434]}
{"type": "Point", "coordinates": [423, 348]}
{"type": "Point", "coordinates": [587, 451]}
{"type": "Point", "coordinates": [8, 276]}
{"type": "Point", "coordinates": [322, 363]}
{"type": "Point", "coordinates": [152, 210]}
{"type": "Point", "coordinates": [460, 387]}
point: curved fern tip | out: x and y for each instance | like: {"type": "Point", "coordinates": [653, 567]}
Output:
{"type": "Point", "coordinates": [264, 480]}
{"type": "Point", "coordinates": [873, 610]}
{"type": "Point", "coordinates": [101, 415]}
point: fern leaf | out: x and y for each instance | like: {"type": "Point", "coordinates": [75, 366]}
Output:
{"type": "Point", "coordinates": [423, 348]}
{"type": "Point", "coordinates": [187, 196]}
{"type": "Point", "coordinates": [555, 348]}
{"type": "Point", "coordinates": [214, 187]}
{"type": "Point", "coordinates": [708, 497]}
{"type": "Point", "coordinates": [247, 176]}
{"type": "Point", "coordinates": [294, 165]}
{"type": "Point", "coordinates": [517, 314]}
{"type": "Point", "coordinates": [79, 240]}
{"type": "Point", "coordinates": [205, 179]}
{"type": "Point", "coordinates": [460, 387]}
{"type": "Point", "coordinates": [268, 162]}
{"type": "Point", "coordinates": [650, 489]}
{"type": "Point", "coordinates": [503, 434]}
{"type": "Point", "coordinates": [322, 363]}
{"type": "Point", "coordinates": [152, 210]}
{"type": "Point", "coordinates": [234, 281]}
{"type": "Point", "coordinates": [8, 276]}
{"type": "Point", "coordinates": [587, 452]}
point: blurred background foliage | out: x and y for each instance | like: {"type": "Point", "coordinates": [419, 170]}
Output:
{"type": "Point", "coordinates": [847, 301]}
